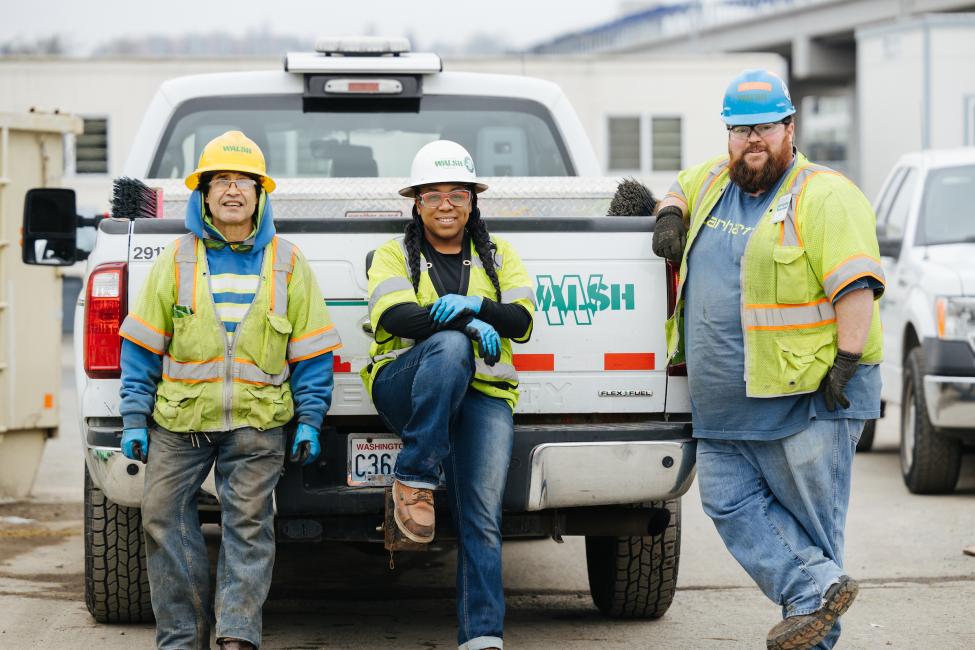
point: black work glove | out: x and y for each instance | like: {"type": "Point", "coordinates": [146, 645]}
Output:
{"type": "Point", "coordinates": [836, 379]}
{"type": "Point", "coordinates": [670, 234]}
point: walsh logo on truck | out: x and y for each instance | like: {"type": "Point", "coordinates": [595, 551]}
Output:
{"type": "Point", "coordinates": [582, 299]}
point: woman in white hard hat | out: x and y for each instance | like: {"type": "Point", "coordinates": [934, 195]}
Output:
{"type": "Point", "coordinates": [443, 285]}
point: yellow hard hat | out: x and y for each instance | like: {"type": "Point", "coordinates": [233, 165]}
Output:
{"type": "Point", "coordinates": [232, 152]}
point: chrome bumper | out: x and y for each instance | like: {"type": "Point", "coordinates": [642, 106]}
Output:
{"type": "Point", "coordinates": [571, 474]}
{"type": "Point", "coordinates": [950, 401]}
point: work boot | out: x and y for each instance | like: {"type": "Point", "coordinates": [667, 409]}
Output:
{"type": "Point", "coordinates": [805, 631]}
{"type": "Point", "coordinates": [235, 644]}
{"type": "Point", "coordinates": [413, 512]}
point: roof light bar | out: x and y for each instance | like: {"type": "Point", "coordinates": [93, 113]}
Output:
{"type": "Point", "coordinates": [362, 45]}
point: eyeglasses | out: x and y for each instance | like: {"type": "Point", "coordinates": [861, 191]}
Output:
{"type": "Point", "coordinates": [242, 184]}
{"type": "Point", "coordinates": [219, 244]}
{"type": "Point", "coordinates": [456, 198]}
{"type": "Point", "coordinates": [744, 131]}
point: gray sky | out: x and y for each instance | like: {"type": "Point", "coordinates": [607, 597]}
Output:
{"type": "Point", "coordinates": [85, 24]}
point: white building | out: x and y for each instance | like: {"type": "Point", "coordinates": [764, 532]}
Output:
{"type": "Point", "coordinates": [915, 90]}
{"type": "Point", "coordinates": [646, 116]}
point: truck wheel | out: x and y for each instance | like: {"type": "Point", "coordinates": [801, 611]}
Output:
{"type": "Point", "coordinates": [116, 579]}
{"type": "Point", "coordinates": [635, 577]}
{"type": "Point", "coordinates": [866, 438]}
{"type": "Point", "coordinates": [930, 462]}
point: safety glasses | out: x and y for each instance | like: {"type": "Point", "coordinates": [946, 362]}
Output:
{"type": "Point", "coordinates": [744, 131]}
{"type": "Point", "coordinates": [456, 198]}
{"type": "Point", "coordinates": [242, 184]}
{"type": "Point", "coordinates": [236, 246]}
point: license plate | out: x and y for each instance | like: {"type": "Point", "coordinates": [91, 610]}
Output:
{"type": "Point", "coordinates": [372, 458]}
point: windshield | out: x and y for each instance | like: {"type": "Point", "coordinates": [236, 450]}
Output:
{"type": "Point", "coordinates": [948, 208]}
{"type": "Point", "coordinates": [506, 137]}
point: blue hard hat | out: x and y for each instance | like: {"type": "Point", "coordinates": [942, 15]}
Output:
{"type": "Point", "coordinates": [756, 97]}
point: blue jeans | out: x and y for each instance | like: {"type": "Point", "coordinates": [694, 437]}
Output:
{"type": "Point", "coordinates": [248, 465]}
{"type": "Point", "coordinates": [780, 507]}
{"type": "Point", "coordinates": [425, 396]}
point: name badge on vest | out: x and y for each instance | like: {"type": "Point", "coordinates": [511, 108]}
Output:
{"type": "Point", "coordinates": [782, 208]}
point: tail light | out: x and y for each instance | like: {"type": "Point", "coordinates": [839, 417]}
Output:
{"type": "Point", "coordinates": [105, 308]}
{"type": "Point", "coordinates": [673, 279]}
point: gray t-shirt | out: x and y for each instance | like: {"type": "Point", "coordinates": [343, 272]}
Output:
{"type": "Point", "coordinates": [714, 342]}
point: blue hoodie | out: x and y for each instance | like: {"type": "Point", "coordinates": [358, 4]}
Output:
{"type": "Point", "coordinates": [234, 277]}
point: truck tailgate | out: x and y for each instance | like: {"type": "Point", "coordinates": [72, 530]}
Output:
{"type": "Point", "coordinates": [598, 343]}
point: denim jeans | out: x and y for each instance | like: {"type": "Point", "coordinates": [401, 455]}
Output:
{"type": "Point", "coordinates": [248, 466]}
{"type": "Point", "coordinates": [780, 507]}
{"type": "Point", "coordinates": [425, 396]}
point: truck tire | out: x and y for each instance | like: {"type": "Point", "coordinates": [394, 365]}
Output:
{"type": "Point", "coordinates": [866, 438]}
{"type": "Point", "coordinates": [116, 578]}
{"type": "Point", "coordinates": [635, 577]}
{"type": "Point", "coordinates": [930, 462]}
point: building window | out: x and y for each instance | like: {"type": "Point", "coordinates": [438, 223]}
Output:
{"type": "Point", "coordinates": [666, 144]}
{"type": "Point", "coordinates": [624, 143]}
{"type": "Point", "coordinates": [91, 147]}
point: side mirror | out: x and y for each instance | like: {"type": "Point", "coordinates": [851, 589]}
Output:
{"type": "Point", "coordinates": [50, 227]}
{"type": "Point", "coordinates": [890, 246]}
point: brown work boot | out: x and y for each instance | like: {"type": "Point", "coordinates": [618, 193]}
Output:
{"type": "Point", "coordinates": [235, 644]}
{"type": "Point", "coordinates": [413, 511]}
{"type": "Point", "coordinates": [805, 631]}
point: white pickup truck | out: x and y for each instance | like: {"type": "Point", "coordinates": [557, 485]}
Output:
{"type": "Point", "coordinates": [603, 443]}
{"type": "Point", "coordinates": [927, 244]}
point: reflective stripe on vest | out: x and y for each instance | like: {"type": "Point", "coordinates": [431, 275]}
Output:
{"type": "Point", "coordinates": [499, 371]}
{"type": "Point", "coordinates": [388, 286]}
{"type": "Point", "coordinates": [313, 343]}
{"type": "Point", "coordinates": [145, 335]}
{"type": "Point", "coordinates": [192, 372]}
{"type": "Point", "coordinates": [783, 317]}
{"type": "Point", "coordinates": [519, 293]}
{"type": "Point", "coordinates": [392, 354]}
{"type": "Point", "coordinates": [709, 181]}
{"type": "Point", "coordinates": [247, 372]}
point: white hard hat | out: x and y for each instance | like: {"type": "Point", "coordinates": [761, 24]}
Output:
{"type": "Point", "coordinates": [442, 161]}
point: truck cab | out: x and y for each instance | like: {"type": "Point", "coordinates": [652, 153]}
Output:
{"type": "Point", "coordinates": [603, 445]}
{"type": "Point", "coordinates": [927, 246]}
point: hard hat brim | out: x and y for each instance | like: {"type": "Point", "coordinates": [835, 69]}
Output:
{"type": "Point", "coordinates": [193, 180]}
{"type": "Point", "coordinates": [410, 190]}
{"type": "Point", "coordinates": [756, 118]}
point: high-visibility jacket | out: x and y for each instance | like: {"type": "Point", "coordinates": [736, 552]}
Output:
{"type": "Point", "coordinates": [212, 382]}
{"type": "Point", "coordinates": [390, 285]}
{"type": "Point", "coordinates": [818, 236]}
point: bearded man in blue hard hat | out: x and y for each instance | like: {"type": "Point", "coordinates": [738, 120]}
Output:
{"type": "Point", "coordinates": [778, 322]}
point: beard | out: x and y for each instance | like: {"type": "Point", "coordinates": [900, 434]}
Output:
{"type": "Point", "coordinates": [761, 179]}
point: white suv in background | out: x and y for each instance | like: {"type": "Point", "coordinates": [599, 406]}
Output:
{"type": "Point", "coordinates": [926, 229]}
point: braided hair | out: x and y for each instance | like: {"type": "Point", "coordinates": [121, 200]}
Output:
{"type": "Point", "coordinates": [483, 246]}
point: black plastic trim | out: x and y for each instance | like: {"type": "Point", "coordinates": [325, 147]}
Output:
{"type": "Point", "coordinates": [948, 358]}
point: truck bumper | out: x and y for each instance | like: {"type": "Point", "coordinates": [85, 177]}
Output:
{"type": "Point", "coordinates": [574, 474]}
{"type": "Point", "coordinates": [949, 383]}
{"type": "Point", "coordinates": [558, 473]}
{"type": "Point", "coordinates": [950, 401]}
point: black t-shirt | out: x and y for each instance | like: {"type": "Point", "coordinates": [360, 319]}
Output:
{"type": "Point", "coordinates": [450, 273]}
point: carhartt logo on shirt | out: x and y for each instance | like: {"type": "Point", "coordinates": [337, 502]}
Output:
{"type": "Point", "coordinates": [728, 226]}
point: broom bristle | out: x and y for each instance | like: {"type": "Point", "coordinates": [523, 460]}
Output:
{"type": "Point", "coordinates": [133, 199]}
{"type": "Point", "coordinates": [632, 199]}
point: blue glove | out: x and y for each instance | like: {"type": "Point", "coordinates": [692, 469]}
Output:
{"type": "Point", "coordinates": [449, 307]}
{"type": "Point", "coordinates": [135, 444]}
{"type": "Point", "coordinates": [306, 447]}
{"type": "Point", "coordinates": [487, 340]}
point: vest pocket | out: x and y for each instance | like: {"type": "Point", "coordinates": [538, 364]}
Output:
{"type": "Point", "coordinates": [791, 275]}
{"type": "Point", "coordinates": [192, 339]}
{"type": "Point", "coordinates": [804, 359]}
{"type": "Point", "coordinates": [274, 352]}
{"type": "Point", "coordinates": [181, 406]}
{"type": "Point", "coordinates": [268, 406]}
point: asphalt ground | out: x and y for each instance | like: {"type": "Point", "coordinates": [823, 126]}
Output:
{"type": "Point", "coordinates": [917, 588]}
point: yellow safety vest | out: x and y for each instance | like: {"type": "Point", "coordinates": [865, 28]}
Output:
{"type": "Point", "coordinates": [212, 382]}
{"type": "Point", "coordinates": [390, 285]}
{"type": "Point", "coordinates": [818, 236]}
